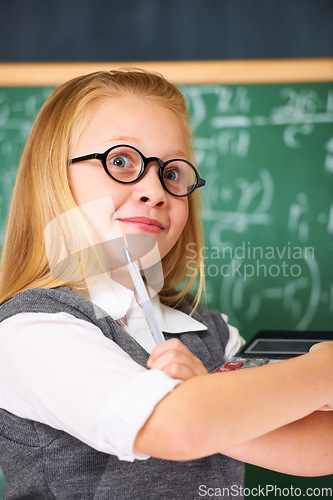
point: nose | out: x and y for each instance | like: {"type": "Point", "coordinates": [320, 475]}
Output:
{"type": "Point", "coordinates": [149, 189]}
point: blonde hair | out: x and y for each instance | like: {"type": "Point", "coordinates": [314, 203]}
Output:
{"type": "Point", "coordinates": [42, 193]}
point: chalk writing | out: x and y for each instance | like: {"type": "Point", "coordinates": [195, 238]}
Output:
{"type": "Point", "coordinates": [298, 221]}
{"type": "Point", "coordinates": [299, 297]}
{"type": "Point", "coordinates": [329, 155]}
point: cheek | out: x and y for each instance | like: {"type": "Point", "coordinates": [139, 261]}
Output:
{"type": "Point", "coordinates": [99, 215]}
{"type": "Point", "coordinates": [180, 216]}
{"type": "Point", "coordinates": [178, 219]}
{"type": "Point", "coordinates": [83, 185]}
{"type": "Point", "coordinates": [98, 201]}
{"type": "Point", "coordinates": [185, 211]}
{"type": "Point", "coordinates": [90, 184]}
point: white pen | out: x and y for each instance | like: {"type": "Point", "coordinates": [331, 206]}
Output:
{"type": "Point", "coordinates": [143, 297]}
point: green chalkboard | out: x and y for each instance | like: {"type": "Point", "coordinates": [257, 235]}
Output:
{"type": "Point", "coordinates": [266, 152]}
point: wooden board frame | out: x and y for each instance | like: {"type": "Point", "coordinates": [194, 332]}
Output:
{"type": "Point", "coordinates": [179, 72]}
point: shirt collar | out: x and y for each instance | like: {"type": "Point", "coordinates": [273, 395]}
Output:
{"type": "Point", "coordinates": [119, 301]}
{"type": "Point", "coordinates": [172, 320]}
{"type": "Point", "coordinates": [111, 296]}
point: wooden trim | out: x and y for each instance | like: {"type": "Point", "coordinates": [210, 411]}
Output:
{"type": "Point", "coordinates": [179, 72]}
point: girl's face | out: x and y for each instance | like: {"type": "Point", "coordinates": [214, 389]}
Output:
{"type": "Point", "coordinates": [143, 207]}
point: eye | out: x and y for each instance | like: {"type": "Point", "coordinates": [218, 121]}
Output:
{"type": "Point", "coordinates": [123, 163]}
{"type": "Point", "coordinates": [172, 174]}
{"type": "Point", "coordinates": [120, 162]}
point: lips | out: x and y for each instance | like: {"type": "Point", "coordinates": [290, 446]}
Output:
{"type": "Point", "coordinates": [144, 222]}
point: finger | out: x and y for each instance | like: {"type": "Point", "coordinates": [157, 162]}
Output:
{"type": "Point", "coordinates": [314, 347]}
{"type": "Point", "coordinates": [176, 357]}
{"type": "Point", "coordinates": [171, 344]}
{"type": "Point", "coordinates": [179, 371]}
{"type": "Point", "coordinates": [321, 345]}
{"type": "Point", "coordinates": [170, 357]}
{"type": "Point", "coordinates": [328, 407]}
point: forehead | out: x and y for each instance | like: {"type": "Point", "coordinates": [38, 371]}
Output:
{"type": "Point", "coordinates": [113, 118]}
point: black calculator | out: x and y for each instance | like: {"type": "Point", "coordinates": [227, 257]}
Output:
{"type": "Point", "coordinates": [271, 346]}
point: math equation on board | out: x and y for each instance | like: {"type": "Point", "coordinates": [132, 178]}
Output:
{"type": "Point", "coordinates": [266, 152]}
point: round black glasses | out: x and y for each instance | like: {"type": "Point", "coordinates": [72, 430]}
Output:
{"type": "Point", "coordinates": [126, 164]}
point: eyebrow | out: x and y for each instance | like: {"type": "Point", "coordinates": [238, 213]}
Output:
{"type": "Point", "coordinates": [130, 140]}
{"type": "Point", "coordinates": [121, 139]}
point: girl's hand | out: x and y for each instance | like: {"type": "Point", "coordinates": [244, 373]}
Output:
{"type": "Point", "coordinates": [317, 347]}
{"type": "Point", "coordinates": [176, 360]}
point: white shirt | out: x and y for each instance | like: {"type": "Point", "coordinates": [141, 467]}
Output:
{"type": "Point", "coordinates": [62, 371]}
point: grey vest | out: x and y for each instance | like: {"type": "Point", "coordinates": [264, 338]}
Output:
{"type": "Point", "coordinates": [42, 463]}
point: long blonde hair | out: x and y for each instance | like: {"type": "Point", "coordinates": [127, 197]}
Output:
{"type": "Point", "coordinates": [42, 193]}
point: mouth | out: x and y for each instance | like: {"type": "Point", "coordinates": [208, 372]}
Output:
{"type": "Point", "coordinates": [143, 223]}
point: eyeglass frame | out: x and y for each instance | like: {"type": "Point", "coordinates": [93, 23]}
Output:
{"type": "Point", "coordinates": [199, 182]}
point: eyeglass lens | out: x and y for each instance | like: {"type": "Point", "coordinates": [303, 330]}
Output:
{"type": "Point", "coordinates": [125, 165]}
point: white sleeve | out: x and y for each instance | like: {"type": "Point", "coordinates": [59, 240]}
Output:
{"type": "Point", "coordinates": [65, 373]}
{"type": "Point", "coordinates": [235, 341]}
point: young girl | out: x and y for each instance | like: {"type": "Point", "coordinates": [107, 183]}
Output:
{"type": "Point", "coordinates": [91, 407]}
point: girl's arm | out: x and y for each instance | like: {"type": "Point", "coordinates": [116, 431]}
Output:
{"type": "Point", "coordinates": [217, 412]}
{"type": "Point", "coordinates": [304, 447]}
